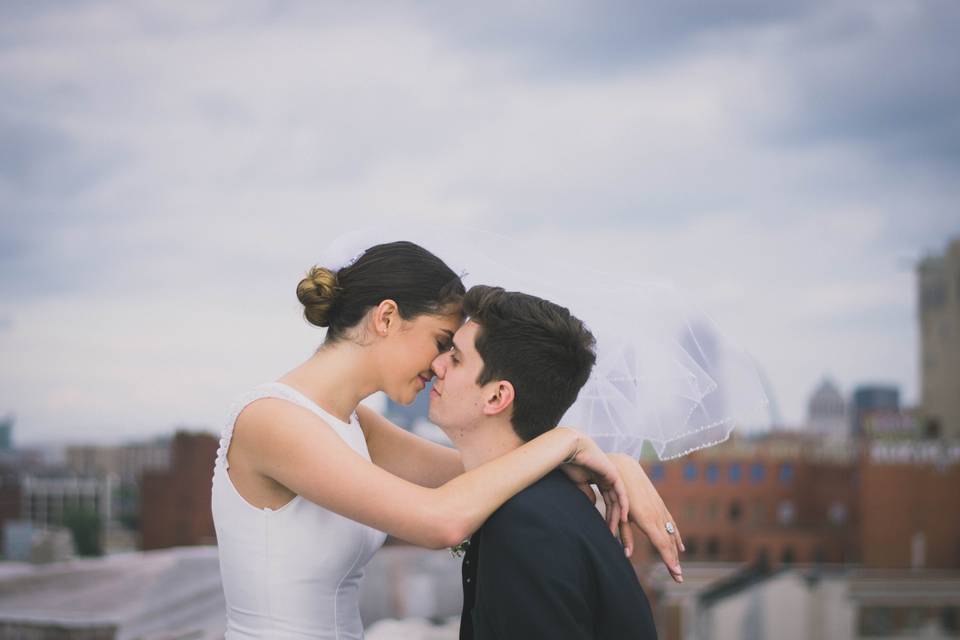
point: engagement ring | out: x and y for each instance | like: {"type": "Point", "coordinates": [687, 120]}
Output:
{"type": "Point", "coordinates": [670, 529]}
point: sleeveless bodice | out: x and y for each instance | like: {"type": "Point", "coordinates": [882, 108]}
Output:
{"type": "Point", "coordinates": [292, 572]}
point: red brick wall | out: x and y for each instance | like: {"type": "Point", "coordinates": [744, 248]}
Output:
{"type": "Point", "coordinates": [175, 504]}
{"type": "Point", "coordinates": [705, 511]}
{"type": "Point", "coordinates": [900, 500]}
{"type": "Point", "coordinates": [10, 508]}
{"type": "Point", "coordinates": [885, 506]}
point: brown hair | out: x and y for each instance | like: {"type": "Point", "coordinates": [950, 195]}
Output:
{"type": "Point", "coordinates": [538, 346]}
{"type": "Point", "coordinates": [418, 281]}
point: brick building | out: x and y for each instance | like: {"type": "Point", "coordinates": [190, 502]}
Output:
{"type": "Point", "coordinates": [10, 500]}
{"type": "Point", "coordinates": [910, 511]}
{"type": "Point", "coordinates": [175, 504]}
{"type": "Point", "coordinates": [792, 498]}
{"type": "Point", "coordinates": [47, 500]}
{"type": "Point", "coordinates": [127, 462]}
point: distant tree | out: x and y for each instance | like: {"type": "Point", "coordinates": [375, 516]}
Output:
{"type": "Point", "coordinates": [128, 497]}
{"type": "Point", "coordinates": [84, 523]}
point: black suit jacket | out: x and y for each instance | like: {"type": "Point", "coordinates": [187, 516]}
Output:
{"type": "Point", "coordinates": [545, 566]}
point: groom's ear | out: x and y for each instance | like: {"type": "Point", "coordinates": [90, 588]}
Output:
{"type": "Point", "coordinates": [499, 398]}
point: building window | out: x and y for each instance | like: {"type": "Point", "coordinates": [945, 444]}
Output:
{"type": "Point", "coordinates": [933, 295]}
{"type": "Point", "coordinates": [690, 471]}
{"type": "Point", "coordinates": [38, 511]}
{"type": "Point", "coordinates": [950, 618]}
{"type": "Point", "coordinates": [657, 472]}
{"type": "Point", "coordinates": [819, 554]}
{"type": "Point", "coordinates": [692, 547]}
{"type": "Point", "coordinates": [914, 619]}
{"type": "Point", "coordinates": [875, 621]}
{"type": "Point", "coordinates": [713, 510]}
{"type": "Point", "coordinates": [763, 557]}
{"type": "Point", "coordinates": [756, 473]}
{"type": "Point", "coordinates": [786, 512]}
{"type": "Point", "coordinates": [786, 473]}
{"type": "Point", "coordinates": [787, 556]}
{"type": "Point", "coordinates": [735, 511]}
{"type": "Point", "coordinates": [837, 513]}
{"type": "Point", "coordinates": [735, 472]}
{"type": "Point", "coordinates": [918, 550]}
{"type": "Point", "coordinates": [712, 473]}
{"type": "Point", "coordinates": [713, 547]}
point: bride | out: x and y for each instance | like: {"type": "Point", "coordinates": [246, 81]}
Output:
{"type": "Point", "coordinates": [308, 482]}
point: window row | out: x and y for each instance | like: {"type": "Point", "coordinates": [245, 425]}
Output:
{"type": "Point", "coordinates": [712, 548]}
{"type": "Point", "coordinates": [756, 472]}
{"type": "Point", "coordinates": [786, 512]}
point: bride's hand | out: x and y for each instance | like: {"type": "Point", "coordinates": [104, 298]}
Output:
{"type": "Point", "coordinates": [588, 464]}
{"type": "Point", "coordinates": [650, 514]}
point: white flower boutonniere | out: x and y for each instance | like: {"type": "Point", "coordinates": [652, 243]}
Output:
{"type": "Point", "coordinates": [460, 549]}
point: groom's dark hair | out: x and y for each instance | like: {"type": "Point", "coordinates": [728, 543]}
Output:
{"type": "Point", "coordinates": [538, 346]}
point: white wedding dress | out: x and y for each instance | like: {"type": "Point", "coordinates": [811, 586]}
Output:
{"type": "Point", "coordinates": [292, 572]}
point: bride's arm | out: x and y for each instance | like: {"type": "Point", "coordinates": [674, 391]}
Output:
{"type": "Point", "coordinates": [430, 465]}
{"type": "Point", "coordinates": [407, 455]}
{"type": "Point", "coordinates": [298, 450]}
{"type": "Point", "coordinates": [649, 514]}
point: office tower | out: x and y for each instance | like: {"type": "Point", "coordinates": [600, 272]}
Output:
{"type": "Point", "coordinates": [938, 281]}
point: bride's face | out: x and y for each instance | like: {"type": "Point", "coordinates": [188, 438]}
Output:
{"type": "Point", "coordinates": [407, 354]}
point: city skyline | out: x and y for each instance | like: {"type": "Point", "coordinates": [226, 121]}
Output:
{"type": "Point", "coordinates": [170, 173]}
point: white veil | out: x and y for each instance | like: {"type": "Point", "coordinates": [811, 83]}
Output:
{"type": "Point", "coordinates": [664, 373]}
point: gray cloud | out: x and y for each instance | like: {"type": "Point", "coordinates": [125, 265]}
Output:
{"type": "Point", "coordinates": [588, 38]}
{"type": "Point", "coordinates": [169, 172]}
{"type": "Point", "coordinates": [887, 82]}
{"type": "Point", "coordinates": [44, 159]}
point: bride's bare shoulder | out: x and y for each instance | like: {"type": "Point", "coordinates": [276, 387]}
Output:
{"type": "Point", "coordinates": [273, 418]}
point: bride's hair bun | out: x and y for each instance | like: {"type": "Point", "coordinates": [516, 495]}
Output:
{"type": "Point", "coordinates": [317, 292]}
{"type": "Point", "coordinates": [406, 273]}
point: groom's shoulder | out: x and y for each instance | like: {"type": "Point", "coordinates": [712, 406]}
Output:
{"type": "Point", "coordinates": [552, 501]}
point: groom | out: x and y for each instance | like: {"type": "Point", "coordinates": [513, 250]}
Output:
{"type": "Point", "coordinates": [543, 566]}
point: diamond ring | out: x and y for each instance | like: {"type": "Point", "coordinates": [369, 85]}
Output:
{"type": "Point", "coordinates": [670, 528]}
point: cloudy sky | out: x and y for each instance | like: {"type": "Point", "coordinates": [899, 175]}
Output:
{"type": "Point", "coordinates": [167, 173]}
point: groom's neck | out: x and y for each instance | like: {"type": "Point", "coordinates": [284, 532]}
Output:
{"type": "Point", "coordinates": [486, 443]}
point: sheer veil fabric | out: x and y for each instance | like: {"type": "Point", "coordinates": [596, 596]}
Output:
{"type": "Point", "coordinates": [665, 373]}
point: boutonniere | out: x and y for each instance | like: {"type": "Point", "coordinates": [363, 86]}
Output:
{"type": "Point", "coordinates": [460, 549]}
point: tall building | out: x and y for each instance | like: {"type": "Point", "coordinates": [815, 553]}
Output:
{"type": "Point", "coordinates": [175, 503]}
{"type": "Point", "coordinates": [827, 411]}
{"type": "Point", "coordinates": [126, 461]}
{"type": "Point", "coordinates": [46, 501]}
{"type": "Point", "coordinates": [905, 492]}
{"type": "Point", "coordinates": [869, 402]}
{"type": "Point", "coordinates": [10, 499]}
{"type": "Point", "coordinates": [6, 432]}
{"type": "Point", "coordinates": [938, 279]}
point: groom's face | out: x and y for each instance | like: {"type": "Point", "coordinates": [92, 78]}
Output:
{"type": "Point", "coordinates": [456, 399]}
